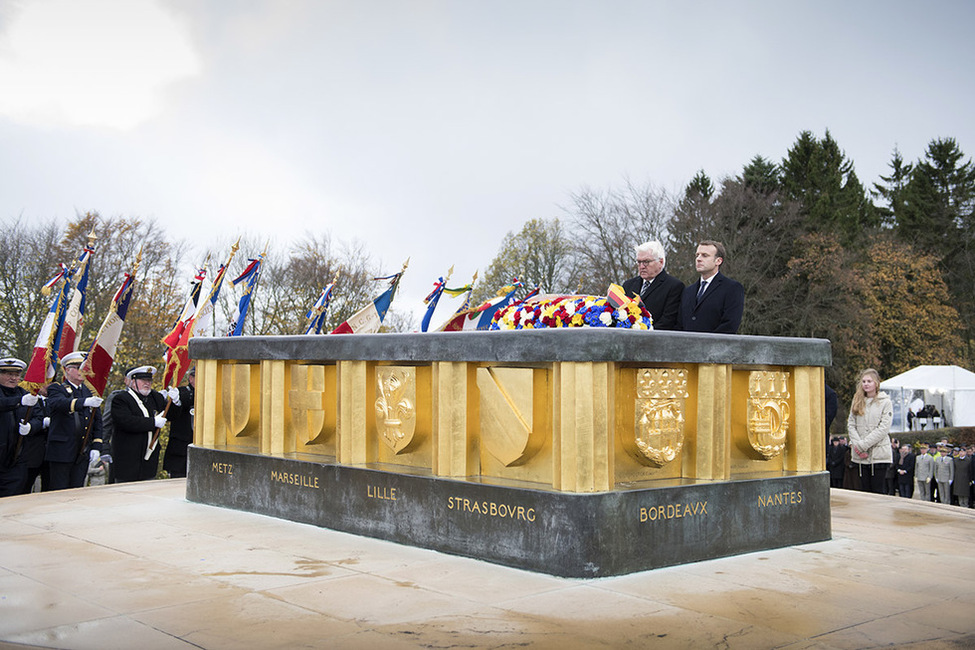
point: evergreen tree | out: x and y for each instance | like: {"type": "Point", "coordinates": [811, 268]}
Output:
{"type": "Point", "coordinates": [761, 175]}
{"type": "Point", "coordinates": [893, 189]}
{"type": "Point", "coordinates": [818, 175]}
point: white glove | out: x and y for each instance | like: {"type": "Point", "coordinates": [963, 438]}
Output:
{"type": "Point", "coordinates": [28, 399]}
{"type": "Point", "coordinates": [93, 402]}
{"type": "Point", "coordinates": [173, 394]}
{"type": "Point", "coordinates": [93, 456]}
{"type": "Point", "coordinates": [160, 421]}
{"type": "Point", "coordinates": [24, 428]}
{"type": "Point", "coordinates": [46, 423]}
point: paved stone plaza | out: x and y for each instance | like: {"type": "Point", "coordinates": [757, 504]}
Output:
{"type": "Point", "coordinates": [136, 565]}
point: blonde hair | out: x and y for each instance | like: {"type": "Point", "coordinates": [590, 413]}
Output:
{"type": "Point", "coordinates": [859, 397]}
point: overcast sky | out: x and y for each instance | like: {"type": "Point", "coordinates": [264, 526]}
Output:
{"type": "Point", "coordinates": [431, 129]}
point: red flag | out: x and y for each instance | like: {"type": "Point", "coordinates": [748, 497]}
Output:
{"type": "Point", "coordinates": [98, 363]}
{"type": "Point", "coordinates": [178, 357]}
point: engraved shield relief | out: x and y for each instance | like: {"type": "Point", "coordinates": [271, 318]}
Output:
{"type": "Point", "coordinates": [396, 406]}
{"type": "Point", "coordinates": [659, 428]}
{"type": "Point", "coordinates": [240, 407]}
{"type": "Point", "coordinates": [507, 403]}
{"type": "Point", "coordinates": [768, 411]}
{"type": "Point", "coordinates": [307, 402]}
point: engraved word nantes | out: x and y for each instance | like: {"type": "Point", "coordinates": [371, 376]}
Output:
{"type": "Point", "coordinates": [660, 395]}
{"type": "Point", "coordinates": [780, 499]}
{"type": "Point", "coordinates": [396, 406]}
{"type": "Point", "coordinates": [768, 411]}
{"type": "Point", "coordinates": [674, 511]}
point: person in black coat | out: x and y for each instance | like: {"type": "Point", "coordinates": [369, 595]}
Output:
{"type": "Point", "coordinates": [136, 414]}
{"type": "Point", "coordinates": [181, 429]}
{"type": "Point", "coordinates": [16, 436]}
{"type": "Point", "coordinates": [74, 440]}
{"type": "Point", "coordinates": [715, 303]}
{"type": "Point", "coordinates": [659, 291]}
{"type": "Point", "coordinates": [904, 462]}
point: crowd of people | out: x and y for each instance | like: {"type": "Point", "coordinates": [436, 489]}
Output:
{"type": "Point", "coordinates": [63, 433]}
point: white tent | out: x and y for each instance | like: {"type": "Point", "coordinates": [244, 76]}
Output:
{"type": "Point", "coordinates": [949, 389]}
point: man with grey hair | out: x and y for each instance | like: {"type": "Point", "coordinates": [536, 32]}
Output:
{"type": "Point", "coordinates": [659, 291]}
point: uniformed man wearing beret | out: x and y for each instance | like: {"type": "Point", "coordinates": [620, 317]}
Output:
{"type": "Point", "coordinates": [14, 433]}
{"type": "Point", "coordinates": [75, 438]}
{"type": "Point", "coordinates": [136, 414]}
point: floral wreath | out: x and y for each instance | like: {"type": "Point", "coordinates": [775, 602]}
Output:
{"type": "Point", "coordinates": [573, 311]}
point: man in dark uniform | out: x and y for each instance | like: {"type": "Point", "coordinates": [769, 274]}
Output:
{"type": "Point", "coordinates": [75, 438]}
{"type": "Point", "coordinates": [14, 433]}
{"type": "Point", "coordinates": [659, 291]}
{"type": "Point", "coordinates": [136, 414]}
{"type": "Point", "coordinates": [181, 429]}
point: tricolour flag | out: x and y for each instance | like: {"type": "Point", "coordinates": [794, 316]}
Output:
{"type": "Point", "coordinates": [368, 319]}
{"type": "Point", "coordinates": [251, 275]}
{"type": "Point", "coordinates": [98, 364]}
{"type": "Point", "coordinates": [178, 358]}
{"type": "Point", "coordinates": [171, 340]}
{"type": "Point", "coordinates": [434, 297]}
{"type": "Point", "coordinates": [74, 317]}
{"type": "Point", "coordinates": [43, 361]}
{"type": "Point", "coordinates": [480, 317]}
{"type": "Point", "coordinates": [319, 310]}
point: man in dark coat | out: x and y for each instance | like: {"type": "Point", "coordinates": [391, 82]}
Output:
{"type": "Point", "coordinates": [136, 414]}
{"type": "Point", "coordinates": [16, 436]}
{"type": "Point", "coordinates": [181, 429]}
{"type": "Point", "coordinates": [659, 291]}
{"type": "Point", "coordinates": [74, 440]}
{"type": "Point", "coordinates": [715, 303]}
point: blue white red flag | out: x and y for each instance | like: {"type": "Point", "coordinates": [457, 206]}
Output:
{"type": "Point", "coordinates": [74, 317]}
{"type": "Point", "coordinates": [480, 317]}
{"type": "Point", "coordinates": [319, 310]}
{"type": "Point", "coordinates": [178, 357]}
{"type": "Point", "coordinates": [251, 275]}
{"type": "Point", "coordinates": [98, 364]}
{"type": "Point", "coordinates": [171, 340]}
{"type": "Point", "coordinates": [369, 319]}
{"type": "Point", "coordinates": [44, 360]}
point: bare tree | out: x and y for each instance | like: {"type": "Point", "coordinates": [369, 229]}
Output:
{"type": "Point", "coordinates": [605, 227]}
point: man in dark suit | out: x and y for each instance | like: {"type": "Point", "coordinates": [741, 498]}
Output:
{"type": "Point", "coordinates": [72, 442]}
{"type": "Point", "coordinates": [659, 291]}
{"type": "Point", "coordinates": [715, 302]}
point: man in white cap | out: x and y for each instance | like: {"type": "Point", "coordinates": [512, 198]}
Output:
{"type": "Point", "coordinates": [14, 432]}
{"type": "Point", "coordinates": [136, 414]}
{"type": "Point", "coordinates": [75, 438]}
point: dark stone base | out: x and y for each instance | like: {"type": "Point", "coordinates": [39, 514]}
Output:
{"type": "Point", "coordinates": [571, 535]}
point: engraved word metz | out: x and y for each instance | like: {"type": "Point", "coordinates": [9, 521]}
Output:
{"type": "Point", "coordinates": [674, 511]}
{"type": "Point", "coordinates": [223, 468]}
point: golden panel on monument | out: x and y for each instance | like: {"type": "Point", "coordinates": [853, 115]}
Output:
{"type": "Point", "coordinates": [659, 432]}
{"type": "Point", "coordinates": [241, 402]}
{"type": "Point", "coordinates": [311, 400]}
{"type": "Point", "coordinates": [768, 411]}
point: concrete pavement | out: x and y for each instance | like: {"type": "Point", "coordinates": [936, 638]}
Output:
{"type": "Point", "coordinates": [136, 565]}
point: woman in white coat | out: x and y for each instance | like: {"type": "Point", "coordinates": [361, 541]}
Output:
{"type": "Point", "coordinates": [869, 429]}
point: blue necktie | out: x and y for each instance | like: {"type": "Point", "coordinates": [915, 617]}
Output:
{"type": "Point", "coordinates": [700, 292]}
